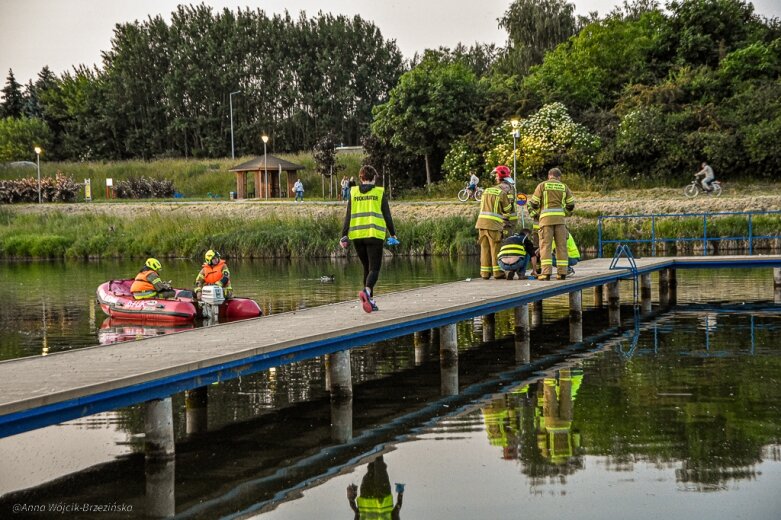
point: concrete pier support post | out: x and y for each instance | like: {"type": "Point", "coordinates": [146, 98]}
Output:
{"type": "Point", "coordinates": [536, 314]}
{"type": "Point", "coordinates": [159, 429]}
{"type": "Point", "coordinates": [196, 404]}
{"type": "Point", "coordinates": [341, 418]}
{"type": "Point", "coordinates": [489, 327]}
{"type": "Point", "coordinates": [421, 341]}
{"type": "Point", "coordinates": [613, 304]}
{"type": "Point", "coordinates": [341, 375]}
{"type": "Point", "coordinates": [673, 287]}
{"type": "Point", "coordinates": [664, 288]}
{"type": "Point", "coordinates": [576, 316]}
{"type": "Point", "coordinates": [777, 285]}
{"type": "Point", "coordinates": [448, 359]}
{"type": "Point", "coordinates": [599, 296]}
{"type": "Point", "coordinates": [522, 334]}
{"type": "Point", "coordinates": [159, 498]}
{"type": "Point", "coordinates": [645, 294]}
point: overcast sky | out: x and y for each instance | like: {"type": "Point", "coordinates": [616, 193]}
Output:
{"type": "Point", "coordinates": [64, 33]}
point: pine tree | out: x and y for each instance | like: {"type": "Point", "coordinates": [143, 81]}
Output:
{"type": "Point", "coordinates": [13, 101]}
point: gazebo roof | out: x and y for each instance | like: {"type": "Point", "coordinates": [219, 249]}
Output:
{"type": "Point", "coordinates": [272, 163]}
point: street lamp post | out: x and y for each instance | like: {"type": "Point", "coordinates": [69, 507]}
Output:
{"type": "Point", "coordinates": [38, 161]}
{"type": "Point", "coordinates": [265, 162]}
{"type": "Point", "coordinates": [230, 100]}
{"type": "Point", "coordinates": [516, 135]}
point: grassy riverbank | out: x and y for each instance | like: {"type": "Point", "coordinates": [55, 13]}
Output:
{"type": "Point", "coordinates": [252, 229]}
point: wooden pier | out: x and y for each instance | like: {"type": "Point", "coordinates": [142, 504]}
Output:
{"type": "Point", "coordinates": [40, 391]}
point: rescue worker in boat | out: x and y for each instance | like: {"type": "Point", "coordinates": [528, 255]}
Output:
{"type": "Point", "coordinates": [376, 500]}
{"type": "Point", "coordinates": [214, 272]}
{"type": "Point", "coordinates": [148, 283]}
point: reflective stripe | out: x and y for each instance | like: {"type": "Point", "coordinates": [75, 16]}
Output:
{"type": "Point", "coordinates": [368, 214]}
{"type": "Point", "coordinates": [367, 226]}
{"type": "Point", "coordinates": [492, 216]}
{"type": "Point", "coordinates": [546, 261]}
{"type": "Point", "coordinates": [144, 295]}
{"type": "Point", "coordinates": [553, 212]}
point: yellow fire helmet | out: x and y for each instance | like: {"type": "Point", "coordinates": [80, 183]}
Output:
{"type": "Point", "coordinates": [153, 264]}
{"type": "Point", "coordinates": [211, 253]}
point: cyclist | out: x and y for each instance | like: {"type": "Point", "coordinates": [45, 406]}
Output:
{"type": "Point", "coordinates": [708, 177]}
{"type": "Point", "coordinates": [474, 180]}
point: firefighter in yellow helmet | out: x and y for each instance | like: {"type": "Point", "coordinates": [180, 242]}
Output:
{"type": "Point", "coordinates": [214, 272]}
{"type": "Point", "coordinates": [497, 211]}
{"type": "Point", "coordinates": [148, 283]}
{"type": "Point", "coordinates": [376, 499]}
{"type": "Point", "coordinates": [552, 201]}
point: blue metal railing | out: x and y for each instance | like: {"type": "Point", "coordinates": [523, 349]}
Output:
{"type": "Point", "coordinates": [655, 239]}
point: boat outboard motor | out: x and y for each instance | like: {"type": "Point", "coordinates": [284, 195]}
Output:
{"type": "Point", "coordinates": [211, 299]}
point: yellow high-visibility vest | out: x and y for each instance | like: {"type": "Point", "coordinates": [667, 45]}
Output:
{"type": "Point", "coordinates": [366, 220]}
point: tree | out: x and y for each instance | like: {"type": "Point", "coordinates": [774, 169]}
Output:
{"type": "Point", "coordinates": [324, 153]}
{"type": "Point", "coordinates": [13, 100]}
{"type": "Point", "coordinates": [432, 104]}
{"type": "Point", "coordinates": [19, 137]}
{"type": "Point", "coordinates": [534, 27]}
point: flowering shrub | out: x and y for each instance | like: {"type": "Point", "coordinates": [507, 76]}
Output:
{"type": "Point", "coordinates": [60, 189]}
{"type": "Point", "coordinates": [460, 162]}
{"type": "Point", "coordinates": [547, 138]}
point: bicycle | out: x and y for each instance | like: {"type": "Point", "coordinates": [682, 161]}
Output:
{"type": "Point", "coordinates": [465, 194]}
{"type": "Point", "coordinates": [694, 189]}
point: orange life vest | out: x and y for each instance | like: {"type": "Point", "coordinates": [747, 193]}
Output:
{"type": "Point", "coordinates": [141, 284]}
{"type": "Point", "coordinates": [212, 273]}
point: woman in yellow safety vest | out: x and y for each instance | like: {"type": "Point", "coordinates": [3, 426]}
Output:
{"type": "Point", "coordinates": [376, 500]}
{"type": "Point", "coordinates": [367, 223]}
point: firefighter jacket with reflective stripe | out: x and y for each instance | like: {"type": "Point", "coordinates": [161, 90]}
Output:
{"type": "Point", "coordinates": [512, 246]}
{"type": "Point", "coordinates": [213, 274]}
{"type": "Point", "coordinates": [496, 208]}
{"type": "Point", "coordinates": [552, 201]}
{"type": "Point", "coordinates": [375, 508]}
{"type": "Point", "coordinates": [366, 220]}
{"type": "Point", "coordinates": [146, 284]}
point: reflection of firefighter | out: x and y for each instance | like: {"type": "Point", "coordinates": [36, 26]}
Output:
{"type": "Point", "coordinates": [502, 422]}
{"type": "Point", "coordinates": [376, 500]}
{"type": "Point", "coordinates": [555, 438]}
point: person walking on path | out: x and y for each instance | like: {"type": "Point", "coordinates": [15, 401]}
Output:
{"type": "Point", "coordinates": [496, 212]}
{"type": "Point", "coordinates": [298, 188]}
{"type": "Point", "coordinates": [552, 201]}
{"type": "Point", "coordinates": [367, 222]}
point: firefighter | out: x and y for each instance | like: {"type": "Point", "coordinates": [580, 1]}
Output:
{"type": "Point", "coordinates": [376, 499]}
{"type": "Point", "coordinates": [214, 272]}
{"type": "Point", "coordinates": [497, 211]}
{"type": "Point", "coordinates": [552, 201]}
{"type": "Point", "coordinates": [515, 252]}
{"type": "Point", "coordinates": [148, 283]}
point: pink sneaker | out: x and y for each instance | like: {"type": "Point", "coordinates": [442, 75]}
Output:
{"type": "Point", "coordinates": [366, 302]}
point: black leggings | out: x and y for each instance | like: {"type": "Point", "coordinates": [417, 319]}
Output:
{"type": "Point", "coordinates": [370, 252]}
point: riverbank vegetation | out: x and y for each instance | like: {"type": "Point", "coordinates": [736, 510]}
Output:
{"type": "Point", "coordinates": [239, 232]}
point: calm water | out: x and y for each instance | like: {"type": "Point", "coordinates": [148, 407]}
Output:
{"type": "Point", "coordinates": [678, 417]}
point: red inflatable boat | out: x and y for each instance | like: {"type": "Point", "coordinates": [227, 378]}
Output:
{"type": "Point", "coordinates": [117, 301]}
{"type": "Point", "coordinates": [115, 330]}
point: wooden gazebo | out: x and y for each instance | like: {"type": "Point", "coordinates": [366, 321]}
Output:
{"type": "Point", "coordinates": [259, 167]}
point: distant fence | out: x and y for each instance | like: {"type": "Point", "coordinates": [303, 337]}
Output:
{"type": "Point", "coordinates": [656, 229]}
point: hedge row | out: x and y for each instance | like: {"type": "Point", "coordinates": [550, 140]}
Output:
{"type": "Point", "coordinates": [60, 189]}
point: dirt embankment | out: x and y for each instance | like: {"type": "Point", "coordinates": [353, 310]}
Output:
{"type": "Point", "coordinates": [589, 206]}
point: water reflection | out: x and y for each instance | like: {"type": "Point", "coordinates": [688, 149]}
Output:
{"type": "Point", "coordinates": [375, 499]}
{"type": "Point", "coordinates": [682, 405]}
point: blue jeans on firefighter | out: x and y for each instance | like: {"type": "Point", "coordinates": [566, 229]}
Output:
{"type": "Point", "coordinates": [517, 267]}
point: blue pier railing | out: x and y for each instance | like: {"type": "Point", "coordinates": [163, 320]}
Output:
{"type": "Point", "coordinates": [654, 237]}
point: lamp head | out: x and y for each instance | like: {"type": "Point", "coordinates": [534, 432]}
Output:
{"type": "Point", "coordinates": [515, 123]}
{"type": "Point", "coordinates": [38, 150]}
{"type": "Point", "coordinates": [265, 138]}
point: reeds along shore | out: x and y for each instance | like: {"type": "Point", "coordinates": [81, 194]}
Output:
{"type": "Point", "coordinates": [60, 234]}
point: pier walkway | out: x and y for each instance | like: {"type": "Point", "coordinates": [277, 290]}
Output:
{"type": "Point", "coordinates": [40, 391]}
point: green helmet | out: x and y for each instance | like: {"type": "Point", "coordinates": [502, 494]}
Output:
{"type": "Point", "coordinates": [211, 253]}
{"type": "Point", "coordinates": [153, 264]}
